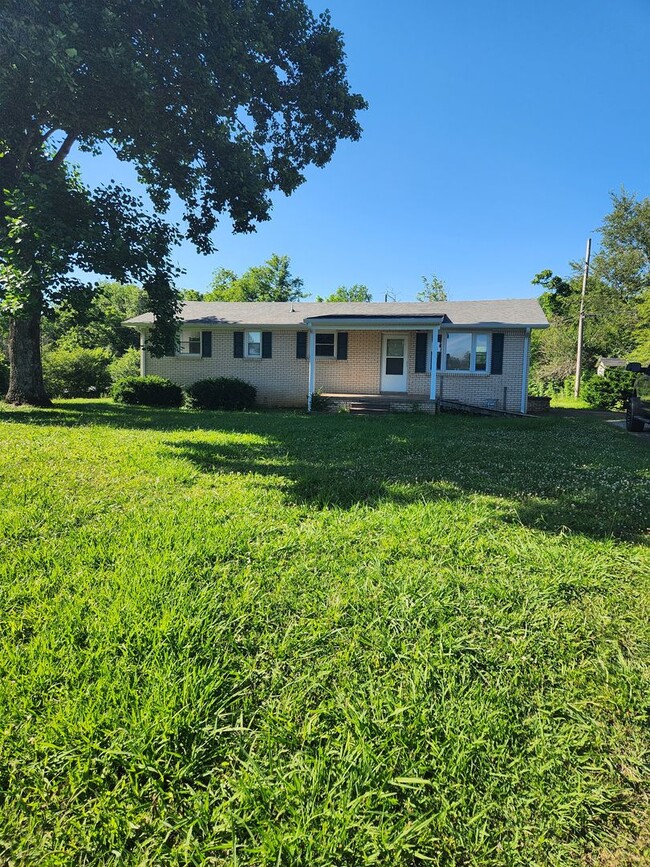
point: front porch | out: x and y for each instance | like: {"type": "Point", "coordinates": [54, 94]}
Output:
{"type": "Point", "coordinates": [385, 362]}
{"type": "Point", "coordinates": [374, 404]}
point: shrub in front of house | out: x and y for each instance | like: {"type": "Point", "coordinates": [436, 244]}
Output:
{"type": "Point", "coordinates": [127, 365]}
{"type": "Point", "coordinates": [610, 391]}
{"type": "Point", "coordinates": [147, 391]}
{"type": "Point", "coordinates": [221, 393]}
{"type": "Point", "coordinates": [76, 372]}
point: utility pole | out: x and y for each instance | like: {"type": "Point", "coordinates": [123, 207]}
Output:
{"type": "Point", "coordinates": [581, 321]}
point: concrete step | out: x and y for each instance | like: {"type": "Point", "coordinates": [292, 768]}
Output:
{"type": "Point", "coordinates": [363, 407]}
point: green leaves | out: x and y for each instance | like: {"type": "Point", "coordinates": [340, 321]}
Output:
{"type": "Point", "coordinates": [220, 103]}
{"type": "Point", "coordinates": [170, 83]}
{"type": "Point", "coordinates": [358, 292]}
{"type": "Point", "coordinates": [271, 281]}
{"type": "Point", "coordinates": [615, 301]}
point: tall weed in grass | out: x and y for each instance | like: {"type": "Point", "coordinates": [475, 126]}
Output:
{"type": "Point", "coordinates": [279, 639]}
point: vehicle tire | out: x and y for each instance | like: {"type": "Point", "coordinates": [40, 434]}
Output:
{"type": "Point", "coordinates": [632, 423]}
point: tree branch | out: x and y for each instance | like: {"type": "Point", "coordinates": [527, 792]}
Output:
{"type": "Point", "coordinates": [64, 150]}
{"type": "Point", "coordinates": [47, 134]}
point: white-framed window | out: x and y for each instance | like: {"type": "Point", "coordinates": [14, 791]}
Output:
{"type": "Point", "coordinates": [253, 344]}
{"type": "Point", "coordinates": [190, 342]}
{"type": "Point", "coordinates": [466, 352]}
{"type": "Point", "coordinates": [326, 345]}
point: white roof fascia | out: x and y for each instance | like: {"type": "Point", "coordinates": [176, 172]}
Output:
{"type": "Point", "coordinates": [372, 323]}
{"type": "Point", "coordinates": [490, 326]}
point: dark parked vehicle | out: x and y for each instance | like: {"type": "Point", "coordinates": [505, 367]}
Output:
{"type": "Point", "coordinates": [638, 408]}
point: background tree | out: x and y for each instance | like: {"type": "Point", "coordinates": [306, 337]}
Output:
{"type": "Point", "coordinates": [641, 334]}
{"type": "Point", "coordinates": [617, 301]}
{"type": "Point", "coordinates": [434, 290]}
{"type": "Point", "coordinates": [220, 285]}
{"type": "Point", "coordinates": [98, 323]}
{"type": "Point", "coordinates": [358, 292]}
{"type": "Point", "coordinates": [623, 260]}
{"type": "Point", "coordinates": [191, 295]}
{"type": "Point", "coordinates": [218, 102]}
{"type": "Point", "coordinates": [609, 325]}
{"type": "Point", "coordinates": [272, 281]}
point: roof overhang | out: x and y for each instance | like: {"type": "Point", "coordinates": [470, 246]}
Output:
{"type": "Point", "coordinates": [373, 323]}
{"type": "Point", "coordinates": [353, 323]}
{"type": "Point", "coordinates": [492, 326]}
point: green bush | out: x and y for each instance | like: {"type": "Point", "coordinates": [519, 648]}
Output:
{"type": "Point", "coordinates": [610, 391]}
{"type": "Point", "coordinates": [147, 391]}
{"type": "Point", "coordinates": [76, 372]}
{"type": "Point", "coordinates": [127, 365]}
{"type": "Point", "coordinates": [221, 393]}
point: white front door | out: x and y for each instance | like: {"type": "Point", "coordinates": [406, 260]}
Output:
{"type": "Point", "coordinates": [394, 366]}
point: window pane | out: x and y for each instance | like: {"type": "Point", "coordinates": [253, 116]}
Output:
{"type": "Point", "coordinates": [325, 345]}
{"type": "Point", "coordinates": [481, 352]}
{"type": "Point", "coordinates": [394, 366]}
{"type": "Point", "coordinates": [395, 347]}
{"type": "Point", "coordinates": [459, 351]}
{"type": "Point", "coordinates": [194, 343]}
{"type": "Point", "coordinates": [254, 343]}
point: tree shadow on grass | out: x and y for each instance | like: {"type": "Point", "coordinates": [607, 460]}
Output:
{"type": "Point", "coordinates": [82, 413]}
{"type": "Point", "coordinates": [557, 474]}
{"type": "Point", "coordinates": [418, 463]}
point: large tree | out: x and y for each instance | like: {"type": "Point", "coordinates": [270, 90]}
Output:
{"type": "Point", "coordinates": [220, 102]}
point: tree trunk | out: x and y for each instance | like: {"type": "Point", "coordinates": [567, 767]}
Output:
{"type": "Point", "coordinates": [25, 368]}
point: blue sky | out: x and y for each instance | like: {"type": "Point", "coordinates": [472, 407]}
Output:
{"type": "Point", "coordinates": [494, 135]}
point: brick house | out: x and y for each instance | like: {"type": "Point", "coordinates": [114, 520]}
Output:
{"type": "Point", "coordinates": [406, 354]}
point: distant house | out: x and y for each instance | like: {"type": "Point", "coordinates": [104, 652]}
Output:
{"type": "Point", "coordinates": [604, 364]}
{"type": "Point", "coordinates": [474, 352]}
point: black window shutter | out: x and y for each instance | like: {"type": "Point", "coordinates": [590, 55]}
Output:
{"type": "Point", "coordinates": [421, 339]}
{"type": "Point", "coordinates": [342, 346]}
{"type": "Point", "coordinates": [206, 344]}
{"type": "Point", "coordinates": [301, 344]}
{"type": "Point", "coordinates": [238, 344]}
{"type": "Point", "coordinates": [497, 352]}
{"type": "Point", "coordinates": [267, 344]}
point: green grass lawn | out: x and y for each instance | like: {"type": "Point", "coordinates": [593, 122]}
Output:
{"type": "Point", "coordinates": [561, 401]}
{"type": "Point", "coordinates": [275, 639]}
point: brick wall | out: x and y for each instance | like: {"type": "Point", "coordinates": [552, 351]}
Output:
{"type": "Point", "coordinates": [477, 388]}
{"type": "Point", "coordinates": [360, 373]}
{"type": "Point", "coordinates": [283, 380]}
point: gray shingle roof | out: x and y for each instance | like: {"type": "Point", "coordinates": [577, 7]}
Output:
{"type": "Point", "coordinates": [504, 313]}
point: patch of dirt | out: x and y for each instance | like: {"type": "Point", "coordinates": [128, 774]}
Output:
{"type": "Point", "coordinates": [630, 849]}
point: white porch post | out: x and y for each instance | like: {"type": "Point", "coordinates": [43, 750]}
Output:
{"type": "Point", "coordinates": [143, 352]}
{"type": "Point", "coordinates": [312, 367]}
{"type": "Point", "coordinates": [434, 356]}
{"type": "Point", "coordinates": [524, 373]}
